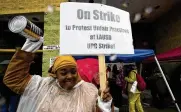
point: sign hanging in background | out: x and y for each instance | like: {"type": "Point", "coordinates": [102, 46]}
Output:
{"type": "Point", "coordinates": [51, 47]}
{"type": "Point", "coordinates": [92, 29]}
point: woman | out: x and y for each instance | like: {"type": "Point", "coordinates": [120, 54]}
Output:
{"type": "Point", "coordinates": [120, 83]}
{"type": "Point", "coordinates": [133, 98]}
{"type": "Point", "coordinates": [63, 91]}
{"type": "Point", "coordinates": [158, 89]}
{"type": "Point", "coordinates": [115, 71]}
{"type": "Point", "coordinates": [114, 88]}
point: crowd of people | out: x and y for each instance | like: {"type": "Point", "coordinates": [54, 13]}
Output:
{"type": "Point", "coordinates": [121, 81]}
{"type": "Point", "coordinates": [72, 85]}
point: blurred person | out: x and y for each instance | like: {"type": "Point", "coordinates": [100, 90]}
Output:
{"type": "Point", "coordinates": [158, 89]}
{"type": "Point", "coordinates": [134, 99]}
{"type": "Point", "coordinates": [108, 71]}
{"type": "Point", "coordinates": [88, 70]}
{"type": "Point", "coordinates": [120, 82]}
{"type": "Point", "coordinates": [115, 71]}
{"type": "Point", "coordinates": [9, 100]}
{"type": "Point", "coordinates": [114, 88]}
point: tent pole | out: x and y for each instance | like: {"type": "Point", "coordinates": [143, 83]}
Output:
{"type": "Point", "coordinates": [141, 67]}
{"type": "Point", "coordinates": [173, 98]}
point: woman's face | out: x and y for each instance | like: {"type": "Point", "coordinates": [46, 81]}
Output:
{"type": "Point", "coordinates": [67, 77]}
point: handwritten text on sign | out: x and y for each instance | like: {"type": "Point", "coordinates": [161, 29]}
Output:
{"type": "Point", "coordinates": [87, 29]}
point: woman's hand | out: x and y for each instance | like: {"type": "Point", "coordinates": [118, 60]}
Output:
{"type": "Point", "coordinates": [105, 102]}
{"type": "Point", "coordinates": [106, 96]}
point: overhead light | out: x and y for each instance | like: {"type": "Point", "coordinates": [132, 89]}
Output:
{"type": "Point", "coordinates": [137, 17]}
{"type": "Point", "coordinates": [145, 43]}
{"type": "Point", "coordinates": [125, 4]}
{"type": "Point", "coordinates": [50, 9]}
{"type": "Point", "coordinates": [113, 57]}
{"type": "Point", "coordinates": [148, 10]}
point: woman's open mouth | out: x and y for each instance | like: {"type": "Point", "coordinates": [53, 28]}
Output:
{"type": "Point", "coordinates": [69, 81]}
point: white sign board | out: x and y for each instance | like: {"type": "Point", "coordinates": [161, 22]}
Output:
{"type": "Point", "coordinates": [92, 29]}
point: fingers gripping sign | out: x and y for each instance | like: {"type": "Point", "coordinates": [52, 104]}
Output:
{"type": "Point", "coordinates": [105, 101]}
{"type": "Point", "coordinates": [105, 94]}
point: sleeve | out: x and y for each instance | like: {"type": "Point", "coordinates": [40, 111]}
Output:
{"type": "Point", "coordinates": [17, 74]}
{"type": "Point", "coordinates": [131, 77]}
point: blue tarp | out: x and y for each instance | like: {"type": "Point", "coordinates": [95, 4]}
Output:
{"type": "Point", "coordinates": [138, 56]}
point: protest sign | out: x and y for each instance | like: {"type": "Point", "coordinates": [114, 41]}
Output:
{"type": "Point", "coordinates": [92, 29]}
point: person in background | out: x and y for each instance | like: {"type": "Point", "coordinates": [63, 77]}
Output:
{"type": "Point", "coordinates": [114, 88]}
{"type": "Point", "coordinates": [133, 98]}
{"type": "Point", "coordinates": [88, 70]}
{"type": "Point", "coordinates": [120, 82]}
{"type": "Point", "coordinates": [158, 89]}
{"type": "Point", "coordinates": [9, 100]}
{"type": "Point", "coordinates": [115, 71]}
{"type": "Point", "coordinates": [108, 72]}
{"type": "Point", "coordinates": [62, 91]}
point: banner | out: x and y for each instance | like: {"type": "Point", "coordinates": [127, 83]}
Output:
{"type": "Point", "coordinates": [92, 29]}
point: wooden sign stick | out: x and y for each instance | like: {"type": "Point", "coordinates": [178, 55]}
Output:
{"type": "Point", "coordinates": [102, 73]}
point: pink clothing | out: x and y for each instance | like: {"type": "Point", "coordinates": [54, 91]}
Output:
{"type": "Point", "coordinates": [120, 79]}
{"type": "Point", "coordinates": [88, 69]}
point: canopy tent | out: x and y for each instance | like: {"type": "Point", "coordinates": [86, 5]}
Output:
{"type": "Point", "coordinates": [171, 55]}
{"type": "Point", "coordinates": [138, 56]}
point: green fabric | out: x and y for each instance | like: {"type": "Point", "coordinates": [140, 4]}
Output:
{"type": "Point", "coordinates": [130, 79]}
{"type": "Point", "coordinates": [135, 102]}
